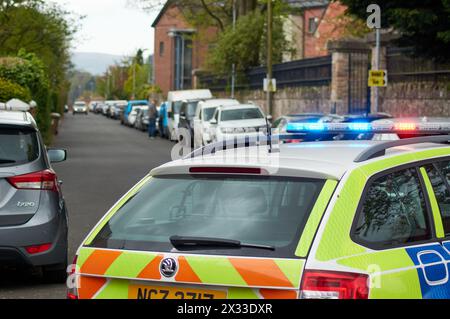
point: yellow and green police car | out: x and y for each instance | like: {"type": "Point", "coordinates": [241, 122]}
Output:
{"type": "Point", "coordinates": [319, 220]}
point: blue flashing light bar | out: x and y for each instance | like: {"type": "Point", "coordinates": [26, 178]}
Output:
{"type": "Point", "coordinates": [365, 127]}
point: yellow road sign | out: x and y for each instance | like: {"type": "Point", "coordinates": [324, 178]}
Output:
{"type": "Point", "coordinates": [378, 78]}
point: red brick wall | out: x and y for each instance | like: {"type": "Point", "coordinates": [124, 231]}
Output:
{"type": "Point", "coordinates": [164, 68]}
{"type": "Point", "coordinates": [331, 27]}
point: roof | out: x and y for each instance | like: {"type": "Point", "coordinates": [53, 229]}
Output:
{"type": "Point", "coordinates": [240, 106]}
{"type": "Point", "coordinates": [218, 102]}
{"type": "Point", "coordinates": [17, 118]}
{"type": "Point", "coordinates": [306, 4]}
{"type": "Point", "coordinates": [322, 160]}
{"type": "Point", "coordinates": [161, 13]}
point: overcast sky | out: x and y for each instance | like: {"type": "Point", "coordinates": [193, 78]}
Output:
{"type": "Point", "coordinates": [110, 26]}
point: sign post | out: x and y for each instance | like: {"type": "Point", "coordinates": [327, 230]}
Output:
{"type": "Point", "coordinates": [374, 22]}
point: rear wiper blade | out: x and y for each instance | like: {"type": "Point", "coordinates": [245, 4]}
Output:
{"type": "Point", "coordinates": [211, 243]}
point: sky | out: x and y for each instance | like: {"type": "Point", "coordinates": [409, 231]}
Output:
{"type": "Point", "coordinates": [111, 26]}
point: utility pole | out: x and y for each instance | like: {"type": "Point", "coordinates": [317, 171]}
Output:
{"type": "Point", "coordinates": [233, 71]}
{"type": "Point", "coordinates": [134, 80]}
{"type": "Point", "coordinates": [269, 56]}
{"type": "Point", "coordinates": [377, 67]}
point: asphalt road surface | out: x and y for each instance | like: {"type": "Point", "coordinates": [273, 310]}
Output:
{"type": "Point", "coordinates": [105, 160]}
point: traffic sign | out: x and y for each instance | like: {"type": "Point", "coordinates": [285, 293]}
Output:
{"type": "Point", "coordinates": [270, 85]}
{"type": "Point", "coordinates": [378, 78]}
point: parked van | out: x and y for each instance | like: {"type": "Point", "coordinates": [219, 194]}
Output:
{"type": "Point", "coordinates": [204, 113]}
{"type": "Point", "coordinates": [174, 101]}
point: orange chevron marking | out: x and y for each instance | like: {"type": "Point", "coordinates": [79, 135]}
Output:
{"type": "Point", "coordinates": [260, 272]}
{"type": "Point", "coordinates": [151, 271]}
{"type": "Point", "coordinates": [89, 286]}
{"type": "Point", "coordinates": [99, 262]}
{"type": "Point", "coordinates": [186, 273]}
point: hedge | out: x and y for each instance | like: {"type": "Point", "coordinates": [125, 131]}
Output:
{"type": "Point", "coordinates": [10, 90]}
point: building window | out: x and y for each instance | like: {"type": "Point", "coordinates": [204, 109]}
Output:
{"type": "Point", "coordinates": [183, 63]}
{"type": "Point", "coordinates": [313, 23]}
{"type": "Point", "coordinates": [161, 48]}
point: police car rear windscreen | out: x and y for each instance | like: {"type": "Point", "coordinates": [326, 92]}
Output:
{"type": "Point", "coordinates": [267, 211]}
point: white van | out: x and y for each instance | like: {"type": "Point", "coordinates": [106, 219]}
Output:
{"type": "Point", "coordinates": [204, 114]}
{"type": "Point", "coordinates": [174, 101]}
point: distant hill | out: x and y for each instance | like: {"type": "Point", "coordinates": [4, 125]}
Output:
{"type": "Point", "coordinates": [94, 63]}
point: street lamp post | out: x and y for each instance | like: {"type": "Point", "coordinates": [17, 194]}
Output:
{"type": "Point", "coordinates": [233, 71]}
{"type": "Point", "coordinates": [269, 56]}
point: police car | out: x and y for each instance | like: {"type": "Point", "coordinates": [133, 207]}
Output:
{"type": "Point", "coordinates": [319, 220]}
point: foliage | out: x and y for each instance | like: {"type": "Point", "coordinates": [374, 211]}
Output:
{"type": "Point", "coordinates": [39, 34]}
{"type": "Point", "coordinates": [246, 44]}
{"type": "Point", "coordinates": [127, 79]}
{"type": "Point", "coordinates": [10, 90]}
{"type": "Point", "coordinates": [423, 24]}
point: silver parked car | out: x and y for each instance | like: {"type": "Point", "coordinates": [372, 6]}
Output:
{"type": "Point", "coordinates": [33, 216]}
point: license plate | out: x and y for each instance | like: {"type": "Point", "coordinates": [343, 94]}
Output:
{"type": "Point", "coordinates": [160, 292]}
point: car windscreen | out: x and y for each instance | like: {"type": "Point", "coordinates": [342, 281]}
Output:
{"type": "Point", "coordinates": [191, 109]}
{"type": "Point", "coordinates": [18, 146]}
{"type": "Point", "coordinates": [254, 210]}
{"type": "Point", "coordinates": [208, 113]}
{"type": "Point", "coordinates": [241, 114]}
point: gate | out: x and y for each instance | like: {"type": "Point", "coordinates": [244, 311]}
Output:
{"type": "Point", "coordinates": [358, 89]}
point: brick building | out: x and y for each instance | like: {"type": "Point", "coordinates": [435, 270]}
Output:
{"type": "Point", "coordinates": [180, 50]}
{"type": "Point", "coordinates": [312, 24]}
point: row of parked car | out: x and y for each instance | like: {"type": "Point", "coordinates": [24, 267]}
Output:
{"type": "Point", "coordinates": [209, 120]}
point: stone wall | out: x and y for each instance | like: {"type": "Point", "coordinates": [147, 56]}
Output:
{"type": "Point", "coordinates": [412, 99]}
{"type": "Point", "coordinates": [289, 100]}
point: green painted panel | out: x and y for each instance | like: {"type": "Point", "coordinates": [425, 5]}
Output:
{"type": "Point", "coordinates": [292, 269]}
{"type": "Point", "coordinates": [115, 289]}
{"type": "Point", "coordinates": [379, 261]}
{"type": "Point", "coordinates": [242, 293]}
{"type": "Point", "coordinates": [314, 219]}
{"type": "Point", "coordinates": [215, 271]}
{"type": "Point", "coordinates": [404, 284]}
{"type": "Point", "coordinates": [83, 256]}
{"type": "Point", "coordinates": [335, 240]}
{"type": "Point", "coordinates": [129, 265]}
{"type": "Point", "coordinates": [437, 217]}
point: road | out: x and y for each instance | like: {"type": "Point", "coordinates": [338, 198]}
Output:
{"type": "Point", "coordinates": [105, 160]}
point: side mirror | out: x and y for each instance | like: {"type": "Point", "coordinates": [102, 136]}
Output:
{"type": "Point", "coordinates": [213, 122]}
{"type": "Point", "coordinates": [57, 155]}
{"type": "Point", "coordinates": [269, 117]}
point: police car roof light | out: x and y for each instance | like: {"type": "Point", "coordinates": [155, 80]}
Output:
{"type": "Point", "coordinates": [365, 127]}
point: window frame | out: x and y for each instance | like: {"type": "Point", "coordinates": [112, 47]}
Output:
{"type": "Point", "coordinates": [428, 210]}
{"type": "Point", "coordinates": [433, 162]}
{"type": "Point", "coordinates": [161, 48]}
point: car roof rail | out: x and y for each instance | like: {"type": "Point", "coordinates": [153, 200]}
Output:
{"type": "Point", "coordinates": [271, 142]}
{"type": "Point", "coordinates": [380, 149]}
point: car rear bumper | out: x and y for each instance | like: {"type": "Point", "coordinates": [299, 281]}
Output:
{"type": "Point", "coordinates": [46, 227]}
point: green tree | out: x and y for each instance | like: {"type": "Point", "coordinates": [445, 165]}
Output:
{"type": "Point", "coordinates": [423, 24]}
{"type": "Point", "coordinates": [39, 33]}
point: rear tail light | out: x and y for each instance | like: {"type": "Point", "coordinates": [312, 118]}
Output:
{"type": "Point", "coordinates": [37, 249]}
{"type": "Point", "coordinates": [43, 180]}
{"type": "Point", "coordinates": [334, 285]}
{"type": "Point", "coordinates": [72, 280]}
